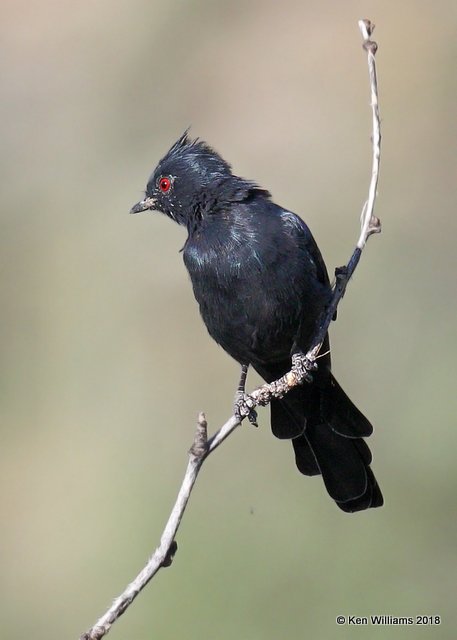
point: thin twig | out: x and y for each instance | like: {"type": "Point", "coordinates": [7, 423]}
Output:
{"type": "Point", "coordinates": [369, 223]}
{"type": "Point", "coordinates": [301, 370]}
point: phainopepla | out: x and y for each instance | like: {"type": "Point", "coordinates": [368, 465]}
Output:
{"type": "Point", "coordinates": [262, 285]}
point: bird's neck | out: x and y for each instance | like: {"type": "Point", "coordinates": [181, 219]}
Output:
{"type": "Point", "coordinates": [219, 200]}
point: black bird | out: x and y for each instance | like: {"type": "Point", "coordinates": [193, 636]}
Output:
{"type": "Point", "coordinates": [262, 284]}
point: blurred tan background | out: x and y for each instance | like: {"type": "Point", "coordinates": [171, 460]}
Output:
{"type": "Point", "coordinates": [105, 362]}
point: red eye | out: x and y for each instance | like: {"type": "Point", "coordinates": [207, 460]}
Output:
{"type": "Point", "coordinates": [164, 185]}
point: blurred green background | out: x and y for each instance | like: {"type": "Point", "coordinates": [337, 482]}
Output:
{"type": "Point", "coordinates": [105, 362]}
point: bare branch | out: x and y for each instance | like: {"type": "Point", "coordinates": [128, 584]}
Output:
{"type": "Point", "coordinates": [369, 223]}
{"type": "Point", "coordinates": [301, 371]}
{"type": "Point", "coordinates": [164, 553]}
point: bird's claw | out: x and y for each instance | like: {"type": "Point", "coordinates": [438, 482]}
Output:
{"type": "Point", "coordinates": [244, 408]}
{"type": "Point", "coordinates": [301, 366]}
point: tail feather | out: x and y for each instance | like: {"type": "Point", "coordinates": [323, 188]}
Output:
{"type": "Point", "coordinates": [371, 499]}
{"type": "Point", "coordinates": [305, 458]}
{"type": "Point", "coordinates": [287, 418]}
{"type": "Point", "coordinates": [344, 464]}
{"type": "Point", "coordinates": [342, 467]}
{"type": "Point", "coordinates": [327, 432]}
{"type": "Point", "coordinates": [342, 414]}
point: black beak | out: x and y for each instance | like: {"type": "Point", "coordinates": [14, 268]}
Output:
{"type": "Point", "coordinates": [144, 205]}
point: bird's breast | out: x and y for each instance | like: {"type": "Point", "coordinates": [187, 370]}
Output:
{"type": "Point", "coordinates": [240, 300]}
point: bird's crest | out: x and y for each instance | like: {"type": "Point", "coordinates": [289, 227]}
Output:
{"type": "Point", "coordinates": [197, 155]}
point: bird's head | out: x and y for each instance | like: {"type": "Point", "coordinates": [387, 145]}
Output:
{"type": "Point", "coordinates": [184, 180]}
{"type": "Point", "coordinates": [191, 181]}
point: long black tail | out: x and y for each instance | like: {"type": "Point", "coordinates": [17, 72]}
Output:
{"type": "Point", "coordinates": [327, 432]}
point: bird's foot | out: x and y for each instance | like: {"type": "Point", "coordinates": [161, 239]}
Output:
{"type": "Point", "coordinates": [302, 366]}
{"type": "Point", "coordinates": [244, 404]}
{"type": "Point", "coordinates": [244, 408]}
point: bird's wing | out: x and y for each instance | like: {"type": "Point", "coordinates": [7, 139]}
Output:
{"type": "Point", "coordinates": [297, 228]}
